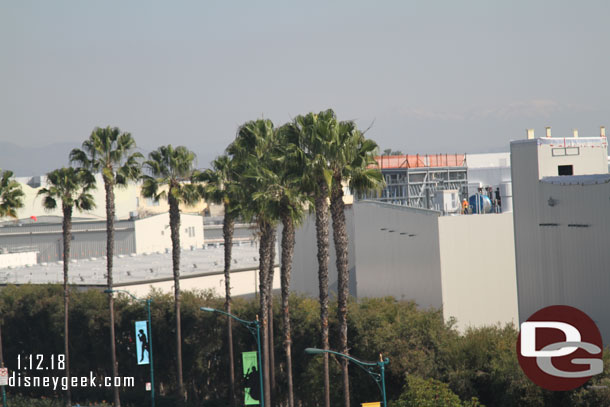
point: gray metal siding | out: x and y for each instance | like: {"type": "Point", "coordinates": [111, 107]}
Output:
{"type": "Point", "coordinates": [397, 253]}
{"type": "Point", "coordinates": [558, 263]}
{"type": "Point", "coordinates": [305, 263]}
{"type": "Point", "coordinates": [88, 240]}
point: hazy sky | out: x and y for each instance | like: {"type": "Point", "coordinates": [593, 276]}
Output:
{"type": "Point", "coordinates": [434, 76]}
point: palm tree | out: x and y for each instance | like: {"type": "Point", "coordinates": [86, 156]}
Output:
{"type": "Point", "coordinates": [221, 188]}
{"type": "Point", "coordinates": [110, 152]}
{"type": "Point", "coordinates": [173, 167]}
{"type": "Point", "coordinates": [11, 199]}
{"type": "Point", "coordinates": [311, 134]}
{"type": "Point", "coordinates": [280, 181]}
{"type": "Point", "coordinates": [11, 195]}
{"type": "Point", "coordinates": [249, 150]}
{"type": "Point", "coordinates": [72, 187]}
{"type": "Point", "coordinates": [351, 159]}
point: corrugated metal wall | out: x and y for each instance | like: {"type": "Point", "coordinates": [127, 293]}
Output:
{"type": "Point", "coordinates": [88, 239]}
{"type": "Point", "coordinates": [561, 241]}
{"type": "Point", "coordinates": [305, 262]}
{"type": "Point", "coordinates": [397, 253]}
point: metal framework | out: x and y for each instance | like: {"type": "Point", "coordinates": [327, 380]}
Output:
{"type": "Point", "coordinates": [411, 180]}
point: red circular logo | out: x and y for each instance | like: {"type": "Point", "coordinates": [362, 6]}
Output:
{"type": "Point", "coordinates": [560, 348]}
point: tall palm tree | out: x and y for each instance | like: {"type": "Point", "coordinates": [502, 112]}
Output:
{"type": "Point", "coordinates": [351, 160]}
{"type": "Point", "coordinates": [72, 187]}
{"type": "Point", "coordinates": [173, 168]}
{"type": "Point", "coordinates": [110, 152]}
{"type": "Point", "coordinates": [280, 181]}
{"type": "Point", "coordinates": [220, 187]}
{"type": "Point", "coordinates": [311, 134]}
{"type": "Point", "coordinates": [250, 149]}
{"type": "Point", "coordinates": [11, 199]}
{"type": "Point", "coordinates": [11, 195]}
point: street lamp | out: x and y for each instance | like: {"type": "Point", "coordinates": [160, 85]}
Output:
{"type": "Point", "coordinates": [255, 329]}
{"type": "Point", "coordinates": [366, 366]}
{"type": "Point", "coordinates": [150, 346]}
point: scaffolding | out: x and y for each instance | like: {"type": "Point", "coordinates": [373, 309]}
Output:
{"type": "Point", "coordinates": [412, 180]}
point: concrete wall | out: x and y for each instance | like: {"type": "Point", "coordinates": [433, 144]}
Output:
{"type": "Point", "coordinates": [243, 282]}
{"type": "Point", "coordinates": [17, 259]}
{"type": "Point", "coordinates": [478, 269]}
{"type": "Point", "coordinates": [153, 234]}
{"type": "Point", "coordinates": [397, 253]}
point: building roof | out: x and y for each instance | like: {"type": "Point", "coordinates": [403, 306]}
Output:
{"type": "Point", "coordinates": [565, 141]}
{"type": "Point", "coordinates": [132, 268]}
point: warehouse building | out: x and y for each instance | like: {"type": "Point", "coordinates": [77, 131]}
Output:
{"type": "Point", "coordinates": [463, 264]}
{"type": "Point", "coordinates": [43, 236]}
{"type": "Point", "coordinates": [561, 197]}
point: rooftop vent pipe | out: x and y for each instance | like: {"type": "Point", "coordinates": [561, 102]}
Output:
{"type": "Point", "coordinates": [575, 133]}
{"type": "Point", "coordinates": [602, 131]}
{"type": "Point", "coordinates": [530, 133]}
{"type": "Point", "coordinates": [548, 132]}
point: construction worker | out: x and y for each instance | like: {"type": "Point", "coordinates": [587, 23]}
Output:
{"type": "Point", "coordinates": [464, 206]}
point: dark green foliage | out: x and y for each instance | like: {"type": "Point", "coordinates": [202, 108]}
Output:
{"type": "Point", "coordinates": [427, 393]}
{"type": "Point", "coordinates": [429, 360]}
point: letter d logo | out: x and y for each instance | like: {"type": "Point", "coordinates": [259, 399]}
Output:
{"type": "Point", "coordinates": [560, 348]}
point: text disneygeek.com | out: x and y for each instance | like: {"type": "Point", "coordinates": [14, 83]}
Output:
{"type": "Point", "coordinates": [56, 383]}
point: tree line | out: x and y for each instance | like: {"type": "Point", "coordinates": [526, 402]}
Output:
{"type": "Point", "coordinates": [431, 364]}
{"type": "Point", "coordinates": [268, 175]}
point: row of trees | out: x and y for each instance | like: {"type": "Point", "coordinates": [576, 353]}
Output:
{"type": "Point", "coordinates": [431, 364]}
{"type": "Point", "coordinates": [268, 176]}
{"type": "Point", "coordinates": [271, 175]}
{"type": "Point", "coordinates": [111, 153]}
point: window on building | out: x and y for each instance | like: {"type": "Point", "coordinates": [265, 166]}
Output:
{"type": "Point", "coordinates": [151, 202]}
{"type": "Point", "coordinates": [565, 169]}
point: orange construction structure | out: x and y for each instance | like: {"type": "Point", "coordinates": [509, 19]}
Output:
{"type": "Point", "coordinates": [423, 160]}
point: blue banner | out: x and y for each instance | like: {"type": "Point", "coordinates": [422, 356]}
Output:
{"type": "Point", "coordinates": [142, 344]}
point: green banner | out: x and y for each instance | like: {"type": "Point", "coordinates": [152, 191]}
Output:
{"type": "Point", "coordinates": [251, 379]}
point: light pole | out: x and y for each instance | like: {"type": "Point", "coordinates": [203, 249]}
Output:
{"type": "Point", "coordinates": [366, 366]}
{"type": "Point", "coordinates": [255, 329]}
{"type": "Point", "coordinates": [150, 346]}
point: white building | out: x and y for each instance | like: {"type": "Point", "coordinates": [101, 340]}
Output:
{"type": "Point", "coordinates": [561, 197]}
{"type": "Point", "coordinates": [147, 235]}
{"type": "Point", "coordinates": [462, 264]}
{"type": "Point", "coordinates": [128, 201]}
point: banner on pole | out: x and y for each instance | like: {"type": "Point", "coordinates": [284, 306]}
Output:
{"type": "Point", "coordinates": [252, 387]}
{"type": "Point", "coordinates": [142, 344]}
{"type": "Point", "coordinates": [4, 376]}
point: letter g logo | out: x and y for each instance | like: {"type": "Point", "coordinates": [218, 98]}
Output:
{"type": "Point", "coordinates": [560, 348]}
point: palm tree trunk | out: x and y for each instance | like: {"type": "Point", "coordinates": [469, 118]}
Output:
{"type": "Point", "coordinates": [321, 206]}
{"type": "Point", "coordinates": [337, 209]}
{"type": "Point", "coordinates": [228, 227]}
{"type": "Point", "coordinates": [109, 186]}
{"type": "Point", "coordinates": [67, 236]}
{"type": "Point", "coordinates": [270, 302]}
{"type": "Point", "coordinates": [286, 268]}
{"type": "Point", "coordinates": [174, 225]}
{"type": "Point", "coordinates": [266, 234]}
